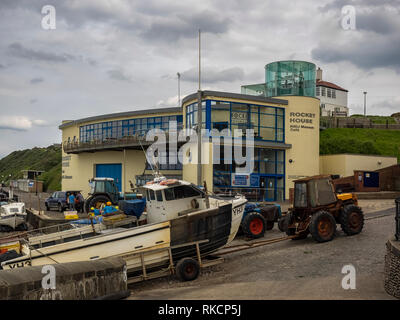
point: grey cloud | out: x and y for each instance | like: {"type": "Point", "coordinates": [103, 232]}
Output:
{"type": "Point", "coordinates": [338, 4]}
{"type": "Point", "coordinates": [2, 66]}
{"type": "Point", "coordinates": [118, 74]}
{"type": "Point", "coordinates": [32, 101]}
{"type": "Point", "coordinates": [186, 26]}
{"type": "Point", "coordinates": [379, 21]}
{"type": "Point", "coordinates": [17, 50]}
{"type": "Point", "coordinates": [36, 80]}
{"type": "Point", "coordinates": [364, 53]}
{"type": "Point", "coordinates": [386, 106]}
{"type": "Point", "coordinates": [210, 75]}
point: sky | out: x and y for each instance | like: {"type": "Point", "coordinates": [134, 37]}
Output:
{"type": "Point", "coordinates": [109, 56]}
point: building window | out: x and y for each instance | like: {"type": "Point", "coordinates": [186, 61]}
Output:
{"type": "Point", "coordinates": [329, 93]}
{"type": "Point", "coordinates": [267, 122]}
{"type": "Point", "coordinates": [318, 91]}
{"type": "Point", "coordinates": [333, 93]}
{"type": "Point", "coordinates": [132, 127]}
{"type": "Point", "coordinates": [323, 92]}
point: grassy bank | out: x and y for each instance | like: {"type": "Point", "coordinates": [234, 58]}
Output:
{"type": "Point", "coordinates": [44, 159]}
{"type": "Point", "coordinates": [360, 141]}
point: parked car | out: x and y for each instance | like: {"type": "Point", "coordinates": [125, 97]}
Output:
{"type": "Point", "coordinates": [58, 200]}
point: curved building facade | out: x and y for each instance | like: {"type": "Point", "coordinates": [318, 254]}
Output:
{"type": "Point", "coordinates": [290, 78]}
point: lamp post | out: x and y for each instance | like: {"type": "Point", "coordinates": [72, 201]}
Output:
{"type": "Point", "coordinates": [365, 103]}
{"type": "Point", "coordinates": [179, 88]}
{"type": "Point", "coordinates": [35, 175]}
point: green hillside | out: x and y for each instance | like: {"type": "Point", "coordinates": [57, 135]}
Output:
{"type": "Point", "coordinates": [360, 141]}
{"type": "Point", "coordinates": [44, 159]}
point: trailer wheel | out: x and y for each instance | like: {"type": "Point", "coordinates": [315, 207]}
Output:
{"type": "Point", "coordinates": [352, 220]}
{"type": "Point", "coordinates": [187, 269]}
{"type": "Point", "coordinates": [253, 225]}
{"type": "Point", "coordinates": [322, 226]}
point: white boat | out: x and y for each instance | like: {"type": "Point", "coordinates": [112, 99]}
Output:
{"type": "Point", "coordinates": [177, 213]}
{"type": "Point", "coordinates": [13, 215]}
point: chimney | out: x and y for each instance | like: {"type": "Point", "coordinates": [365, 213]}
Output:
{"type": "Point", "coordinates": [319, 74]}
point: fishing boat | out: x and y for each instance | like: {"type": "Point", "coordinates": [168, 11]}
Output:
{"type": "Point", "coordinates": [178, 213]}
{"type": "Point", "coordinates": [13, 215]}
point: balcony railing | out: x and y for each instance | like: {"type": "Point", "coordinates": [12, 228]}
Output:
{"type": "Point", "coordinates": [136, 141]}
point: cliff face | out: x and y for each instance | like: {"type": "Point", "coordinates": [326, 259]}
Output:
{"type": "Point", "coordinates": [44, 159]}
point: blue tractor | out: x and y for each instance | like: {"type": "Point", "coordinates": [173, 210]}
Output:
{"type": "Point", "coordinates": [257, 218]}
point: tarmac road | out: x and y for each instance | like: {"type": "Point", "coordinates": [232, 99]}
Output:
{"type": "Point", "coordinates": [301, 269]}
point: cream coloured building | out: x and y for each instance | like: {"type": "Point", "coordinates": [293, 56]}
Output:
{"type": "Point", "coordinates": [345, 164]}
{"type": "Point", "coordinates": [286, 144]}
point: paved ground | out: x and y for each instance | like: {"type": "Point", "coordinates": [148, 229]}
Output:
{"type": "Point", "coordinates": [301, 269]}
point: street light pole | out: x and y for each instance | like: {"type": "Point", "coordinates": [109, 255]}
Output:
{"type": "Point", "coordinates": [179, 88]}
{"type": "Point", "coordinates": [365, 103]}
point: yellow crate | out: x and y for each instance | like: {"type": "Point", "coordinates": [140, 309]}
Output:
{"type": "Point", "coordinates": [71, 215]}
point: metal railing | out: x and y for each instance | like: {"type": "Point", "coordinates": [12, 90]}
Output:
{"type": "Point", "coordinates": [397, 219]}
{"type": "Point", "coordinates": [135, 140]}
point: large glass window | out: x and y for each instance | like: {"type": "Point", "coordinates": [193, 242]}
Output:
{"type": "Point", "coordinates": [267, 122]}
{"type": "Point", "coordinates": [131, 127]}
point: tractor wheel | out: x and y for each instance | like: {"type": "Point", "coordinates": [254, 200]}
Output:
{"type": "Point", "coordinates": [187, 269]}
{"type": "Point", "coordinates": [60, 208]}
{"type": "Point", "coordinates": [283, 223]}
{"type": "Point", "coordinates": [270, 225]}
{"type": "Point", "coordinates": [253, 225]}
{"type": "Point", "coordinates": [97, 201]}
{"type": "Point", "coordinates": [352, 220]}
{"type": "Point", "coordinates": [322, 226]}
{"type": "Point", "coordinates": [47, 207]}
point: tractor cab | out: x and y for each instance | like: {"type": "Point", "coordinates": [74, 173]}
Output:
{"type": "Point", "coordinates": [314, 192]}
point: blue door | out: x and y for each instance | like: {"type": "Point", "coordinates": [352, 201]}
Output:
{"type": "Point", "coordinates": [371, 179]}
{"type": "Point", "coordinates": [110, 171]}
{"type": "Point", "coordinates": [267, 188]}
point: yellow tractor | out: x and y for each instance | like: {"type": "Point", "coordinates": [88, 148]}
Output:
{"type": "Point", "coordinates": [317, 209]}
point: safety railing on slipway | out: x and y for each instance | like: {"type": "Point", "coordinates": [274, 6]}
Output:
{"type": "Point", "coordinates": [397, 219]}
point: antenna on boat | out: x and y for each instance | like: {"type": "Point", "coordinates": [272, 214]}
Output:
{"type": "Point", "coordinates": [147, 159]}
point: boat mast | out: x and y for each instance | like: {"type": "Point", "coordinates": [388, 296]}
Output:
{"type": "Point", "coordinates": [199, 119]}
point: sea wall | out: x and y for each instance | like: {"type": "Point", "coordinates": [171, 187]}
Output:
{"type": "Point", "coordinates": [392, 268]}
{"type": "Point", "coordinates": [99, 279]}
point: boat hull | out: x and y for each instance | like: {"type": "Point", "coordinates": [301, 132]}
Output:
{"type": "Point", "coordinates": [12, 220]}
{"type": "Point", "coordinates": [217, 225]}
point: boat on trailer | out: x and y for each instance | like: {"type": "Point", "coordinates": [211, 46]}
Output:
{"type": "Point", "coordinates": [13, 216]}
{"type": "Point", "coordinates": [178, 213]}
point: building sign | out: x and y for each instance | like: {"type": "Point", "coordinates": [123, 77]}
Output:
{"type": "Point", "coordinates": [301, 120]}
{"type": "Point", "coordinates": [240, 180]}
{"type": "Point", "coordinates": [30, 184]}
{"type": "Point", "coordinates": [254, 181]}
{"type": "Point", "coordinates": [239, 117]}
